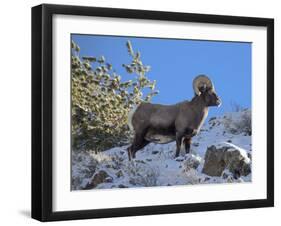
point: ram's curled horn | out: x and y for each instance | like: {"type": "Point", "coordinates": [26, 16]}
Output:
{"type": "Point", "coordinates": [200, 81]}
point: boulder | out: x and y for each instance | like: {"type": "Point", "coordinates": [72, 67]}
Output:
{"type": "Point", "coordinates": [226, 157]}
{"type": "Point", "coordinates": [214, 164]}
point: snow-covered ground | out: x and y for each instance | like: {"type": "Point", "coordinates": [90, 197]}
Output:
{"type": "Point", "coordinates": [155, 164]}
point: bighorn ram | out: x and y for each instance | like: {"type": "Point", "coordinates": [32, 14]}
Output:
{"type": "Point", "coordinates": [165, 123]}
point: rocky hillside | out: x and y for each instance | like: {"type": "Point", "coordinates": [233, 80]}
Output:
{"type": "Point", "coordinates": [220, 153]}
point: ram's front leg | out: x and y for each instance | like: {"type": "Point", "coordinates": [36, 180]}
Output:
{"type": "Point", "coordinates": [179, 136]}
{"type": "Point", "coordinates": [187, 143]}
{"type": "Point", "coordinates": [187, 138]}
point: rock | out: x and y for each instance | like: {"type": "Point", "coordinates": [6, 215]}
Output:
{"type": "Point", "coordinates": [112, 166]}
{"type": "Point", "coordinates": [207, 179]}
{"type": "Point", "coordinates": [233, 130]}
{"type": "Point", "coordinates": [132, 181]}
{"type": "Point", "coordinates": [119, 173]}
{"type": "Point", "coordinates": [140, 161]}
{"type": "Point", "coordinates": [195, 144]}
{"type": "Point", "coordinates": [149, 160]}
{"type": "Point", "coordinates": [191, 162]}
{"type": "Point", "coordinates": [238, 163]}
{"type": "Point", "coordinates": [212, 118]}
{"type": "Point", "coordinates": [155, 152]}
{"type": "Point", "coordinates": [225, 175]}
{"type": "Point", "coordinates": [249, 155]}
{"type": "Point", "coordinates": [108, 180]}
{"type": "Point", "coordinates": [229, 179]}
{"type": "Point", "coordinates": [179, 159]}
{"type": "Point", "coordinates": [213, 165]}
{"type": "Point", "coordinates": [122, 186]}
{"type": "Point", "coordinates": [229, 157]}
{"type": "Point", "coordinates": [98, 178]}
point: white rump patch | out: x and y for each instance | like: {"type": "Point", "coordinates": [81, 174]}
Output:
{"type": "Point", "coordinates": [130, 117]}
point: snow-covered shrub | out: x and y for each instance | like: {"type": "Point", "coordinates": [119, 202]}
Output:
{"type": "Point", "coordinates": [191, 162]}
{"type": "Point", "coordinates": [142, 175]}
{"type": "Point", "coordinates": [239, 123]}
{"type": "Point", "coordinates": [117, 160]}
{"type": "Point", "coordinates": [235, 107]}
{"type": "Point", "coordinates": [83, 167]}
{"type": "Point", "coordinates": [246, 122]}
{"type": "Point", "coordinates": [194, 177]}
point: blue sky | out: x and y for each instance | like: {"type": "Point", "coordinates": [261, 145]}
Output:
{"type": "Point", "coordinates": [174, 63]}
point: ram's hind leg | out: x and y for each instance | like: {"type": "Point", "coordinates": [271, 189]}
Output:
{"type": "Point", "coordinates": [129, 150]}
{"type": "Point", "coordinates": [140, 146]}
{"type": "Point", "coordinates": [138, 143]}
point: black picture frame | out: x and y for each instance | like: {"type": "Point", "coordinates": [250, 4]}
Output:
{"type": "Point", "coordinates": [42, 107]}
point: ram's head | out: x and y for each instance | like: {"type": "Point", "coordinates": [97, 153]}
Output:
{"type": "Point", "coordinates": [204, 87]}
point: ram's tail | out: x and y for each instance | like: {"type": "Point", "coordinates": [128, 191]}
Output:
{"type": "Point", "coordinates": [130, 117]}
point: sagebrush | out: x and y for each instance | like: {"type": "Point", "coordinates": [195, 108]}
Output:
{"type": "Point", "coordinates": [101, 99]}
{"type": "Point", "coordinates": [241, 125]}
